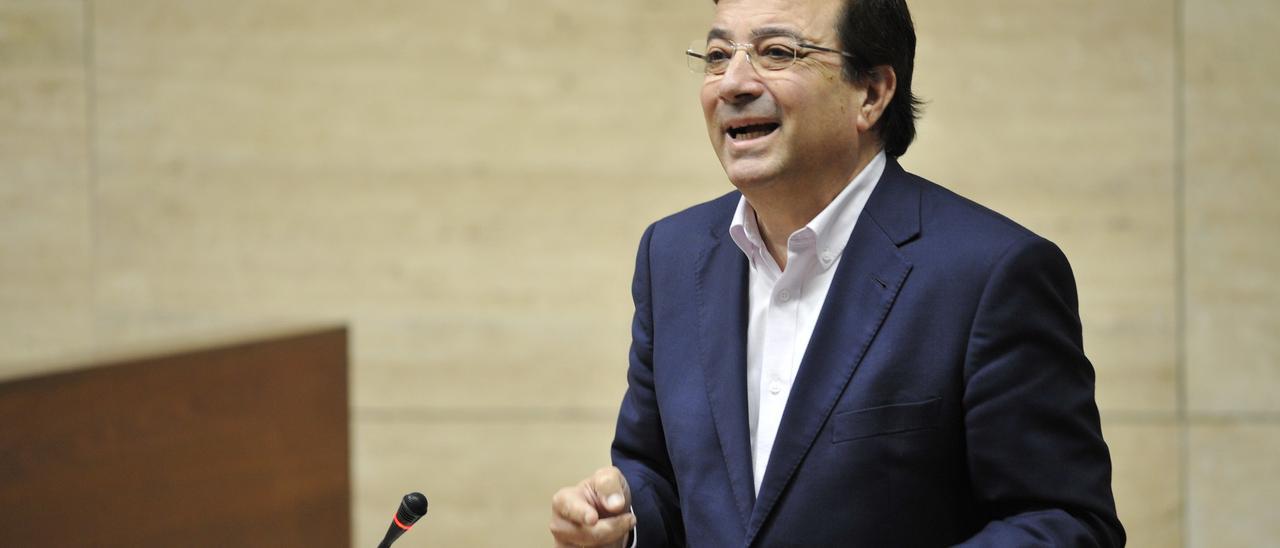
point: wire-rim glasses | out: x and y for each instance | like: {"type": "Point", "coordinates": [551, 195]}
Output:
{"type": "Point", "coordinates": [712, 57]}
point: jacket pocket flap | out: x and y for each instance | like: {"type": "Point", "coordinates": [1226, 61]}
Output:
{"type": "Point", "coordinates": [885, 419]}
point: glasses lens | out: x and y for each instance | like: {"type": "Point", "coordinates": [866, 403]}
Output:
{"type": "Point", "coordinates": [768, 54]}
{"type": "Point", "coordinates": [710, 57]}
{"type": "Point", "coordinates": [717, 55]}
{"type": "Point", "coordinates": [776, 53]}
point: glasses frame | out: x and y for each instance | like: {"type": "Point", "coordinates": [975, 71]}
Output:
{"type": "Point", "coordinates": [753, 56]}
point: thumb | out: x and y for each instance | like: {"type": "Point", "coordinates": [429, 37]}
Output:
{"type": "Point", "coordinates": [611, 490]}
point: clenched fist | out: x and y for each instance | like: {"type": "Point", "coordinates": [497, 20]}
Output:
{"type": "Point", "coordinates": [595, 512]}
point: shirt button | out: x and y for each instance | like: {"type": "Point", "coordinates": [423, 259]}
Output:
{"type": "Point", "coordinates": [784, 295]}
{"type": "Point", "coordinates": [775, 387]}
{"type": "Point", "coordinates": [827, 257]}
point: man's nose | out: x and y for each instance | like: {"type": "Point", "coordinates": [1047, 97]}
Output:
{"type": "Point", "coordinates": [740, 82]}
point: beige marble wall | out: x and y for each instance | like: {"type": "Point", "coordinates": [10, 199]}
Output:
{"type": "Point", "coordinates": [1233, 205]}
{"type": "Point", "coordinates": [1059, 115]}
{"type": "Point", "coordinates": [465, 183]}
{"type": "Point", "coordinates": [45, 213]}
{"type": "Point", "coordinates": [1232, 265]}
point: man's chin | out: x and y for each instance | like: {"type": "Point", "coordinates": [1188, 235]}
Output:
{"type": "Point", "coordinates": [747, 175]}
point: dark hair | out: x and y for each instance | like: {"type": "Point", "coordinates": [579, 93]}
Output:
{"type": "Point", "coordinates": [880, 32]}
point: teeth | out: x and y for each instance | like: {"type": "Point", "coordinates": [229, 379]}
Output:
{"type": "Point", "coordinates": [751, 132]}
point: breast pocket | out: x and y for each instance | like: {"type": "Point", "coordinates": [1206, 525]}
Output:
{"type": "Point", "coordinates": [885, 419]}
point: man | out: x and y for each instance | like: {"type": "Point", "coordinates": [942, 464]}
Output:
{"type": "Point", "coordinates": [842, 353]}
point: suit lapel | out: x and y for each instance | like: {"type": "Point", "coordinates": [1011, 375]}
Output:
{"type": "Point", "coordinates": [866, 283]}
{"type": "Point", "coordinates": [722, 321]}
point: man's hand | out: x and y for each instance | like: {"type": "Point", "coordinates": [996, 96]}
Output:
{"type": "Point", "coordinates": [595, 512]}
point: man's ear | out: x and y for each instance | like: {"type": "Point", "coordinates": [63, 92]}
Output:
{"type": "Point", "coordinates": [881, 82]}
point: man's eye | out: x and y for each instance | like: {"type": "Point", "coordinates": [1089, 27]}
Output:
{"type": "Point", "coordinates": [716, 55]}
{"type": "Point", "coordinates": [778, 53]}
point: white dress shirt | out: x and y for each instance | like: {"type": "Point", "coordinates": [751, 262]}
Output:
{"type": "Point", "coordinates": [784, 304]}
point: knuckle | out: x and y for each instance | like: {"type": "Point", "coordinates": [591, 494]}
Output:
{"type": "Point", "coordinates": [600, 475]}
{"type": "Point", "coordinates": [562, 503]}
{"type": "Point", "coordinates": [608, 476]}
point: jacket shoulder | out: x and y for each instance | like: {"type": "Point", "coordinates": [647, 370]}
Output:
{"type": "Point", "coordinates": [966, 235]}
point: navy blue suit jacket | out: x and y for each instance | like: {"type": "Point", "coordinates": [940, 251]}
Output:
{"type": "Point", "coordinates": [944, 398]}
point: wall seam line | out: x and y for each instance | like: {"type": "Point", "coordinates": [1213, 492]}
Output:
{"type": "Point", "coordinates": [91, 160]}
{"type": "Point", "coordinates": [1180, 269]}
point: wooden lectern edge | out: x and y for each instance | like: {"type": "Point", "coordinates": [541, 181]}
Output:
{"type": "Point", "coordinates": [196, 340]}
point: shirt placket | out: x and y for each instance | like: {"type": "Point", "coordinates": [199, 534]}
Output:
{"type": "Point", "coordinates": [782, 325]}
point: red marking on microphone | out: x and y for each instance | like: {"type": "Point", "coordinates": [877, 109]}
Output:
{"type": "Point", "coordinates": [401, 525]}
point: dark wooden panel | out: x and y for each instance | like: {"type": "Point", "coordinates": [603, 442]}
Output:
{"type": "Point", "coordinates": [241, 445]}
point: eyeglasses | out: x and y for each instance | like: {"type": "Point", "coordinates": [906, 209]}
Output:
{"type": "Point", "coordinates": [773, 53]}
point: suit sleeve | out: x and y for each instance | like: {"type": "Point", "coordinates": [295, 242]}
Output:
{"type": "Point", "coordinates": [1039, 468]}
{"type": "Point", "coordinates": [639, 446]}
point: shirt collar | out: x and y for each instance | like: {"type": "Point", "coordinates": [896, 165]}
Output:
{"type": "Point", "coordinates": [745, 232]}
{"type": "Point", "coordinates": [834, 224]}
{"type": "Point", "coordinates": [830, 229]}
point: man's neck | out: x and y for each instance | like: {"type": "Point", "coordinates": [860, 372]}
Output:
{"type": "Point", "coordinates": [785, 207]}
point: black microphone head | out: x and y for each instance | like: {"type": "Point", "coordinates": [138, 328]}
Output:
{"type": "Point", "coordinates": [412, 508]}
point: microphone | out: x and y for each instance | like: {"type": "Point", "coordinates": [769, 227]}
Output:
{"type": "Point", "coordinates": [412, 508]}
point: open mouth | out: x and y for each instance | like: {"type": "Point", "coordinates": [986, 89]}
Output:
{"type": "Point", "coordinates": [752, 131]}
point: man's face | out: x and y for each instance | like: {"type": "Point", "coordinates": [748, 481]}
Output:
{"type": "Point", "coordinates": [805, 114]}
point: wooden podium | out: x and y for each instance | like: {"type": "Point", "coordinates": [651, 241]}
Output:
{"type": "Point", "coordinates": [237, 443]}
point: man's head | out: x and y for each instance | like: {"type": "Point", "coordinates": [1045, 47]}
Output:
{"type": "Point", "coordinates": [820, 117]}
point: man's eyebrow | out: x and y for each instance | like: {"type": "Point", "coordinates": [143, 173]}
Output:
{"type": "Point", "coordinates": [771, 32]}
{"type": "Point", "coordinates": [718, 33]}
